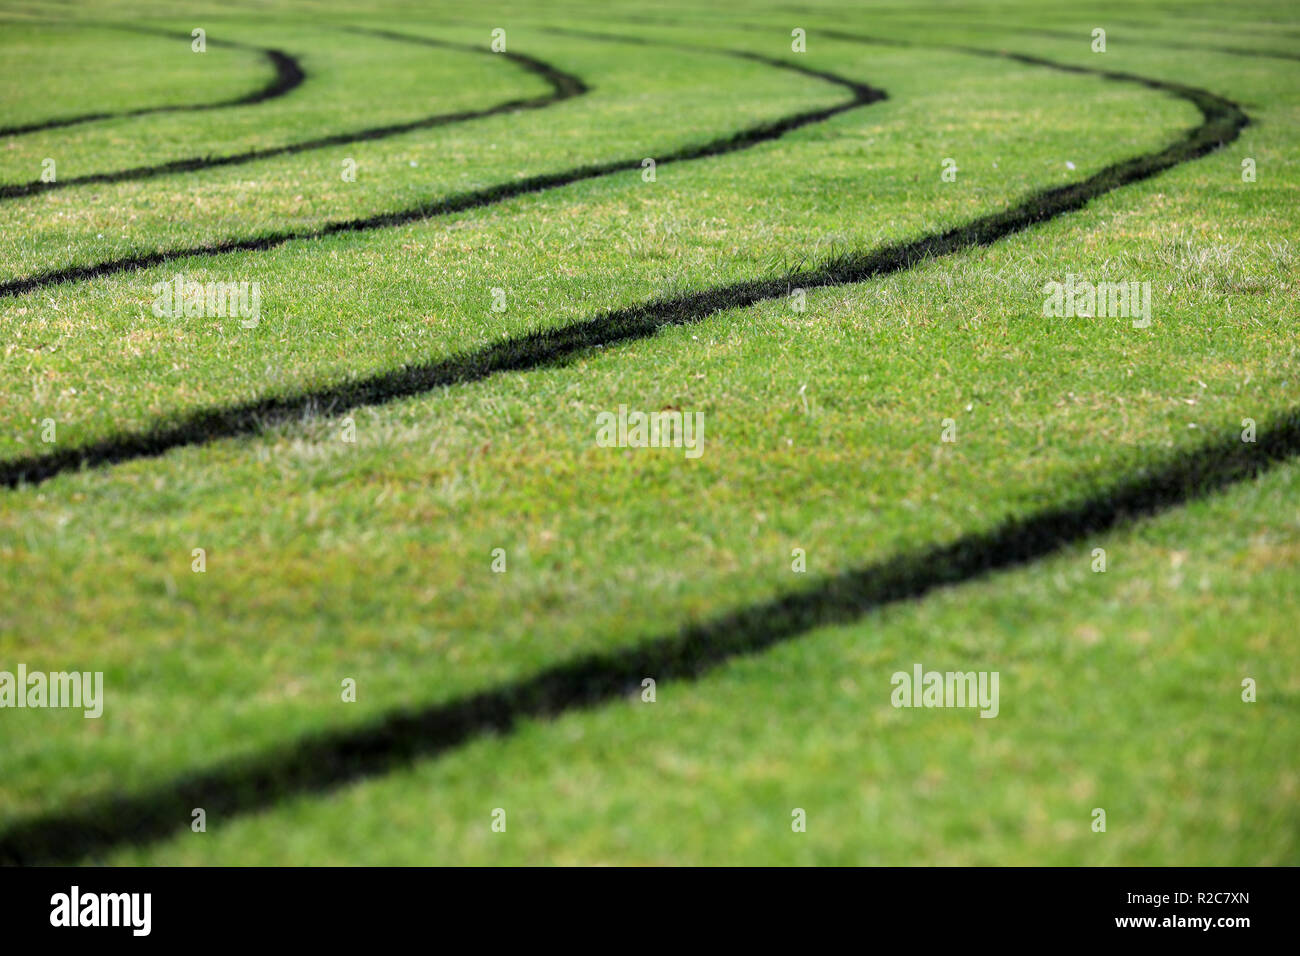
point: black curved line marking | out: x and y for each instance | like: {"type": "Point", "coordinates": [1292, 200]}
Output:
{"type": "Point", "coordinates": [563, 86]}
{"type": "Point", "coordinates": [1258, 27]}
{"type": "Point", "coordinates": [944, 18]}
{"type": "Point", "coordinates": [325, 761]}
{"type": "Point", "coordinates": [742, 139]}
{"type": "Point", "coordinates": [1114, 40]}
{"type": "Point", "coordinates": [289, 76]}
{"type": "Point", "coordinates": [1223, 122]}
{"type": "Point", "coordinates": [1269, 28]}
{"type": "Point", "coordinates": [211, 424]}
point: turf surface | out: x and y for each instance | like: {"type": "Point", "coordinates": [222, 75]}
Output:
{"type": "Point", "coordinates": [372, 560]}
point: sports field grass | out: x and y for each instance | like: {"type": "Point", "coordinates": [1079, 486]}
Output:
{"type": "Point", "coordinates": [904, 460]}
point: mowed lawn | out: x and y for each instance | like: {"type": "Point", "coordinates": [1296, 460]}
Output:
{"type": "Point", "coordinates": [329, 560]}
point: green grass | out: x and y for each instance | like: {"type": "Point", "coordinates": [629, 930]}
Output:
{"type": "Point", "coordinates": [329, 560]}
{"type": "Point", "coordinates": [53, 73]}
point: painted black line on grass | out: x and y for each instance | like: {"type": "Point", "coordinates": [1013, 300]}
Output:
{"type": "Point", "coordinates": [742, 139]}
{"type": "Point", "coordinates": [722, 23]}
{"type": "Point", "coordinates": [1222, 123]}
{"type": "Point", "coordinates": [288, 76]}
{"type": "Point", "coordinates": [324, 761]}
{"type": "Point", "coordinates": [1115, 42]}
{"type": "Point", "coordinates": [1257, 28]}
{"type": "Point", "coordinates": [563, 86]}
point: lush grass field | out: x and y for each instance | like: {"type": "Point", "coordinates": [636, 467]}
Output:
{"type": "Point", "coordinates": [372, 560]}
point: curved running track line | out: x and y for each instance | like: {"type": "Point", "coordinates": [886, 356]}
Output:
{"type": "Point", "coordinates": [324, 761]}
{"type": "Point", "coordinates": [1117, 41]}
{"type": "Point", "coordinates": [742, 139]}
{"type": "Point", "coordinates": [724, 22]}
{"type": "Point", "coordinates": [1223, 121]}
{"type": "Point", "coordinates": [327, 760]}
{"type": "Point", "coordinates": [288, 77]}
{"type": "Point", "coordinates": [563, 86]}
{"type": "Point", "coordinates": [210, 424]}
